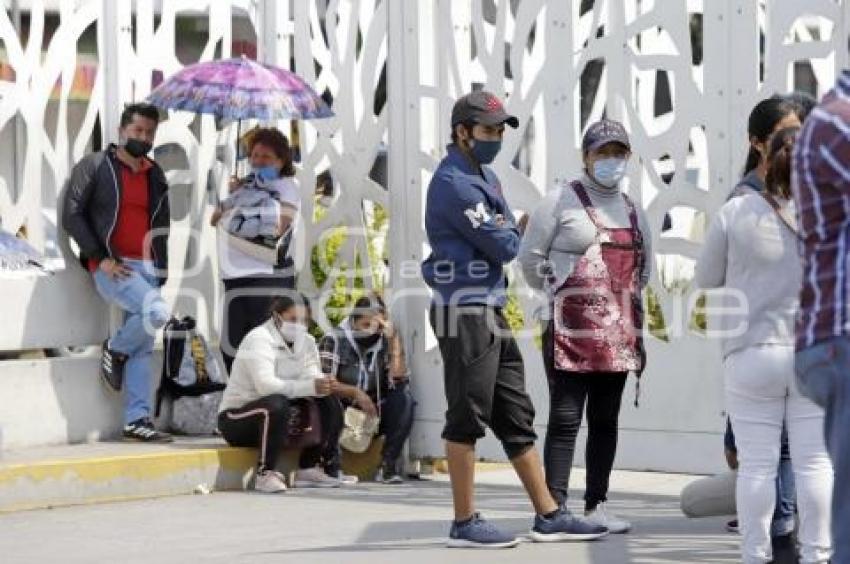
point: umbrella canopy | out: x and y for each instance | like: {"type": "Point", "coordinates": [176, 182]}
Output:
{"type": "Point", "coordinates": [240, 89]}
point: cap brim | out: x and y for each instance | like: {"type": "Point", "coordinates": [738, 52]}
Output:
{"type": "Point", "coordinates": [603, 142]}
{"type": "Point", "coordinates": [498, 119]}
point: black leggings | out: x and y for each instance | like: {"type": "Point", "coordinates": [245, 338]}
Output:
{"type": "Point", "coordinates": [247, 304]}
{"type": "Point", "coordinates": [262, 424]}
{"type": "Point", "coordinates": [568, 393]}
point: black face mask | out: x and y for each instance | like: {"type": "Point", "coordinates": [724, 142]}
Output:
{"type": "Point", "coordinates": [368, 341]}
{"type": "Point", "coordinates": [137, 148]}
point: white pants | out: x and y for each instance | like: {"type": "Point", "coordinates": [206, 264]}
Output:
{"type": "Point", "coordinates": [761, 392]}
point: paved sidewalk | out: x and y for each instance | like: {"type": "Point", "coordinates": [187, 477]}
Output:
{"type": "Point", "coordinates": [369, 523]}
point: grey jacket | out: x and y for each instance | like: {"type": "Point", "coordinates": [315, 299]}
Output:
{"type": "Point", "coordinates": [749, 251]}
{"type": "Point", "coordinates": [559, 232]}
{"type": "Point", "coordinates": [90, 202]}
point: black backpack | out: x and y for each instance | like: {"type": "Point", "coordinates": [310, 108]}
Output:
{"type": "Point", "coordinates": [188, 367]}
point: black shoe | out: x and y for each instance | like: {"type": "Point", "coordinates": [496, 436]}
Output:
{"type": "Point", "coordinates": [143, 431]}
{"type": "Point", "coordinates": [390, 473]}
{"type": "Point", "coordinates": [732, 526]}
{"type": "Point", "coordinates": [112, 367]}
{"type": "Point", "coordinates": [784, 549]}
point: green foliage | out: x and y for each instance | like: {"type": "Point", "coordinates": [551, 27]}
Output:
{"type": "Point", "coordinates": [516, 319]}
{"type": "Point", "coordinates": [324, 255]}
{"type": "Point", "coordinates": [324, 261]}
{"type": "Point", "coordinates": [655, 317]}
{"type": "Point", "coordinates": [513, 311]}
{"type": "Point", "coordinates": [699, 323]}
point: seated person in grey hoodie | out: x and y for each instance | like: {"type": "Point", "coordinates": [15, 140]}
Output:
{"type": "Point", "coordinates": [366, 357]}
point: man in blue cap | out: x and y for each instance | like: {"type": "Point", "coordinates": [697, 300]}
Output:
{"type": "Point", "coordinates": [473, 234]}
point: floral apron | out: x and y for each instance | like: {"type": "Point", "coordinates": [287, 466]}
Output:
{"type": "Point", "coordinates": [598, 312]}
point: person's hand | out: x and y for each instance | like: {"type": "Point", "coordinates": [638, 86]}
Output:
{"type": "Point", "coordinates": [115, 269]}
{"type": "Point", "coordinates": [731, 458]}
{"type": "Point", "coordinates": [234, 184]}
{"type": "Point", "coordinates": [522, 224]}
{"type": "Point", "coordinates": [323, 386]}
{"type": "Point", "coordinates": [365, 403]}
{"type": "Point", "coordinates": [336, 387]}
{"type": "Point", "coordinates": [216, 216]}
{"type": "Point", "coordinates": [387, 327]}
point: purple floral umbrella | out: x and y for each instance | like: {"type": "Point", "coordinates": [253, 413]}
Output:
{"type": "Point", "coordinates": [240, 89]}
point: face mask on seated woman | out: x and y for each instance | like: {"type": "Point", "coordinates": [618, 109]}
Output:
{"type": "Point", "coordinates": [366, 331]}
{"type": "Point", "coordinates": [291, 331]}
{"type": "Point", "coordinates": [368, 341]}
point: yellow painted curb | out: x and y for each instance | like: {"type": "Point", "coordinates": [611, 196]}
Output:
{"type": "Point", "coordinates": [104, 479]}
{"type": "Point", "coordinates": [149, 466]}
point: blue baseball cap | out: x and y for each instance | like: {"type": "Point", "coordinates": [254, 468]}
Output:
{"type": "Point", "coordinates": [603, 132]}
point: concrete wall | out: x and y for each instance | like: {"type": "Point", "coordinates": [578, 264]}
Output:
{"type": "Point", "coordinates": [50, 311]}
{"type": "Point", "coordinates": [55, 401]}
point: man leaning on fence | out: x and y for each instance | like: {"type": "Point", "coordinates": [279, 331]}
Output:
{"type": "Point", "coordinates": [115, 207]}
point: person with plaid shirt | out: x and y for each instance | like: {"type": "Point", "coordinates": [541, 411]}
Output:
{"type": "Point", "coordinates": [821, 187]}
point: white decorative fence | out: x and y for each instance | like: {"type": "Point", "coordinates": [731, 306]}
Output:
{"type": "Point", "coordinates": [682, 74]}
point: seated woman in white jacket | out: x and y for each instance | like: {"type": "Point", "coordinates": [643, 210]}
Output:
{"type": "Point", "coordinates": [276, 363]}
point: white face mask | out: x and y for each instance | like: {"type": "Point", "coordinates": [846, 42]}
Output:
{"type": "Point", "coordinates": [291, 332]}
{"type": "Point", "coordinates": [609, 172]}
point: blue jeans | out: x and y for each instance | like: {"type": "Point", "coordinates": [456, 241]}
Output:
{"type": "Point", "coordinates": [786, 495]}
{"type": "Point", "coordinates": [822, 376]}
{"type": "Point", "coordinates": [144, 312]}
{"type": "Point", "coordinates": [396, 421]}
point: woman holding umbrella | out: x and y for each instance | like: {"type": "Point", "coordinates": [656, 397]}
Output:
{"type": "Point", "coordinates": [238, 89]}
{"type": "Point", "coordinates": [267, 199]}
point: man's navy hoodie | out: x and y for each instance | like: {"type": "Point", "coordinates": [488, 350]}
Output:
{"type": "Point", "coordinates": [469, 247]}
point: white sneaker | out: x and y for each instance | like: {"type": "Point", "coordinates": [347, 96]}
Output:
{"type": "Point", "coordinates": [269, 481]}
{"type": "Point", "coordinates": [346, 479]}
{"type": "Point", "coordinates": [392, 479]}
{"type": "Point", "coordinates": [315, 478]}
{"type": "Point", "coordinates": [601, 517]}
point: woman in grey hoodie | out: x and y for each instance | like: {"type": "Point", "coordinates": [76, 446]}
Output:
{"type": "Point", "coordinates": [588, 247]}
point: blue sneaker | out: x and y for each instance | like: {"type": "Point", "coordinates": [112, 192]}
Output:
{"type": "Point", "coordinates": [564, 526]}
{"type": "Point", "coordinates": [478, 533]}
